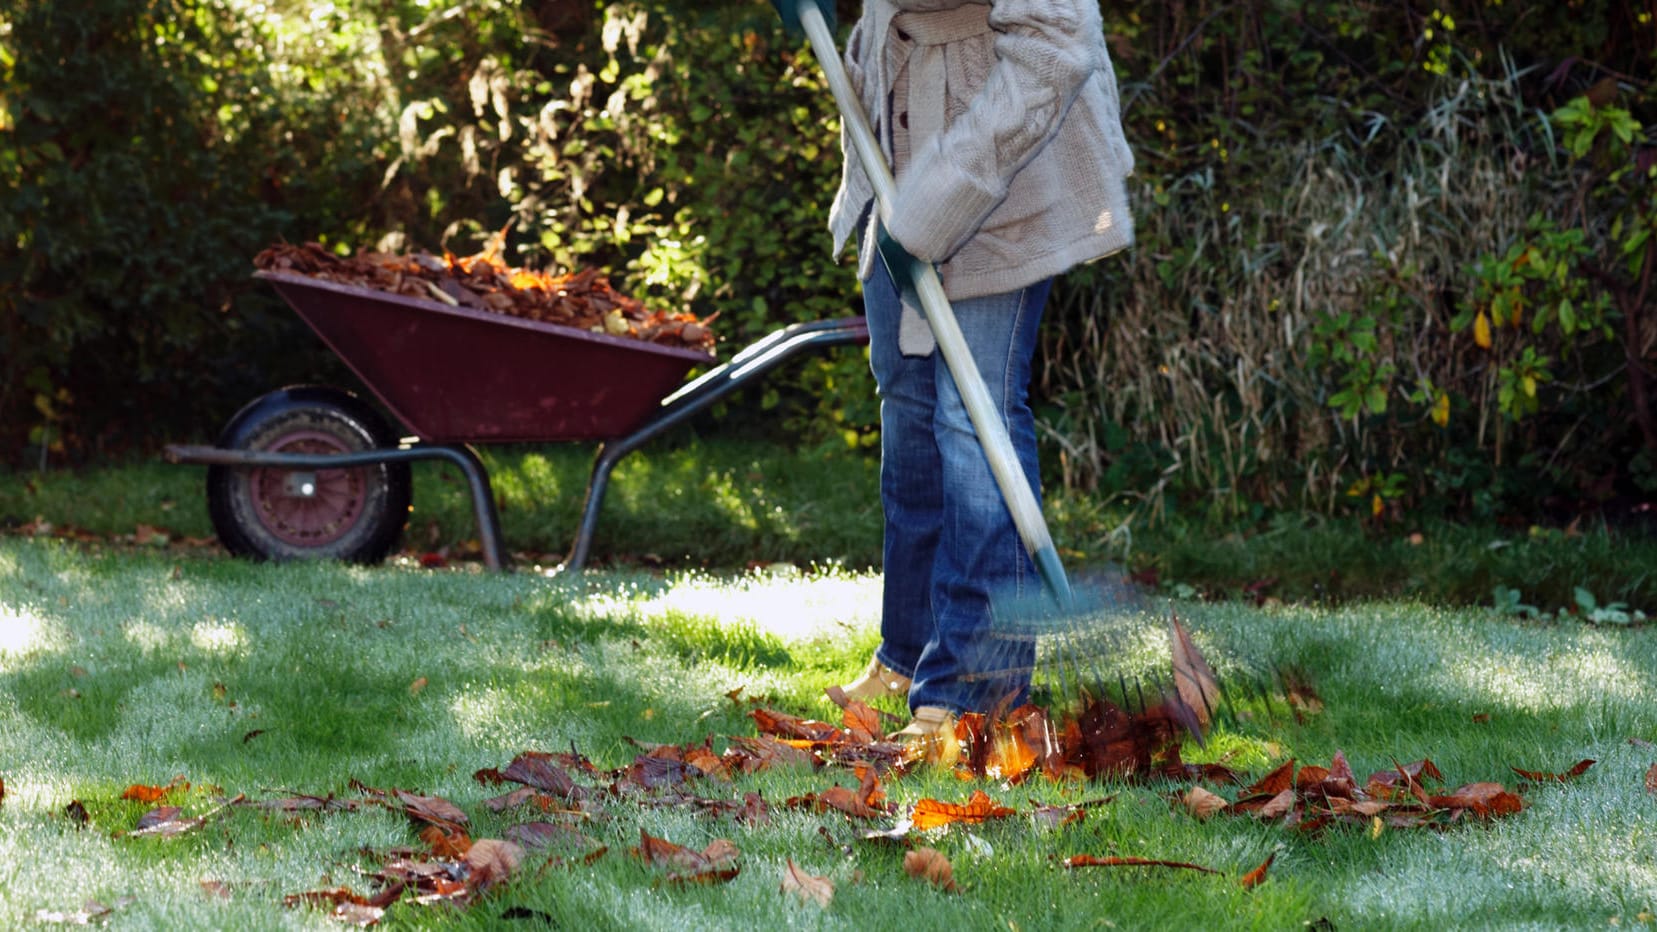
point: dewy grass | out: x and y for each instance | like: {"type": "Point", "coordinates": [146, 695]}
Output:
{"type": "Point", "coordinates": [139, 667]}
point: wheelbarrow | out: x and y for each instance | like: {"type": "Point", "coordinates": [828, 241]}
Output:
{"type": "Point", "coordinates": [314, 471]}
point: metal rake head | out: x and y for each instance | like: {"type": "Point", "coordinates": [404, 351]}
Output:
{"type": "Point", "coordinates": [1108, 647]}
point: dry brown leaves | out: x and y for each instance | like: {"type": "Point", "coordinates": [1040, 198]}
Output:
{"type": "Point", "coordinates": [1314, 797]}
{"type": "Point", "coordinates": [807, 887]}
{"type": "Point", "coordinates": [584, 300]}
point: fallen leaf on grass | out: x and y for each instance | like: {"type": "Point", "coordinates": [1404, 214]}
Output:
{"type": "Point", "coordinates": [348, 906]}
{"type": "Point", "coordinates": [431, 809]}
{"type": "Point", "coordinates": [784, 725]}
{"type": "Point", "coordinates": [518, 797]}
{"type": "Point", "coordinates": [808, 888]}
{"type": "Point", "coordinates": [1278, 806]}
{"type": "Point", "coordinates": [1090, 860]}
{"type": "Point", "coordinates": [1273, 783]}
{"type": "Point", "coordinates": [1651, 780]}
{"type": "Point", "coordinates": [536, 769]}
{"type": "Point", "coordinates": [930, 865]}
{"type": "Point", "coordinates": [445, 843]}
{"type": "Point", "coordinates": [150, 794]}
{"type": "Point", "coordinates": [714, 864]}
{"type": "Point", "coordinates": [490, 862]}
{"type": "Point", "coordinates": [862, 722]}
{"type": "Point", "coordinates": [929, 814]}
{"type": "Point", "coordinates": [753, 755]}
{"type": "Point", "coordinates": [1256, 877]}
{"type": "Point", "coordinates": [1578, 770]}
{"type": "Point", "coordinates": [1054, 817]}
{"type": "Point", "coordinates": [170, 821]}
{"type": "Point", "coordinates": [1202, 803]}
{"type": "Point", "coordinates": [562, 840]}
{"type": "Point", "coordinates": [868, 801]}
{"type": "Point", "coordinates": [1482, 799]}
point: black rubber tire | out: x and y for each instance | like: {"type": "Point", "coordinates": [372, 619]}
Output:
{"type": "Point", "coordinates": [355, 515]}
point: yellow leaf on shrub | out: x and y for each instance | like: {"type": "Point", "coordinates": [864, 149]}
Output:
{"type": "Point", "coordinates": [1481, 330]}
{"type": "Point", "coordinates": [1441, 410]}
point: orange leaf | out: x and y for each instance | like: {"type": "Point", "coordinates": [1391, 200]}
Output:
{"type": "Point", "coordinates": [1482, 799]}
{"type": "Point", "coordinates": [862, 721]}
{"type": "Point", "coordinates": [1651, 780]}
{"type": "Point", "coordinates": [783, 725]}
{"type": "Point", "coordinates": [1540, 777]}
{"type": "Point", "coordinates": [930, 813]}
{"type": "Point", "coordinates": [809, 889]}
{"type": "Point", "coordinates": [445, 844]}
{"type": "Point", "coordinates": [930, 865]}
{"type": "Point", "coordinates": [845, 799]}
{"type": "Point", "coordinates": [1256, 877]}
{"type": "Point", "coordinates": [1277, 781]}
{"type": "Point", "coordinates": [150, 794]}
{"type": "Point", "coordinates": [1310, 776]}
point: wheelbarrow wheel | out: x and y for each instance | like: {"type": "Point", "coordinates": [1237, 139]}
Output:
{"type": "Point", "coordinates": [354, 514]}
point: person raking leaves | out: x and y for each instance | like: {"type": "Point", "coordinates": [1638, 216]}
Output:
{"type": "Point", "coordinates": [1001, 121]}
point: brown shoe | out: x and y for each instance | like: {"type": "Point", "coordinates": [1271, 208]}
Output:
{"type": "Point", "coordinates": [931, 736]}
{"type": "Point", "coordinates": [877, 682]}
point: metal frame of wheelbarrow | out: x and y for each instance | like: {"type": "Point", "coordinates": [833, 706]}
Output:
{"type": "Point", "coordinates": [749, 364]}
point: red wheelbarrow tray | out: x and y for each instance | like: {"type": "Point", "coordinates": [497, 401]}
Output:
{"type": "Point", "coordinates": [454, 374]}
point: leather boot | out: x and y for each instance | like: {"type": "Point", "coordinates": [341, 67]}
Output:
{"type": "Point", "coordinates": [877, 682]}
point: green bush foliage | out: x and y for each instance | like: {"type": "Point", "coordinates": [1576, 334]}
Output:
{"type": "Point", "coordinates": [1393, 259]}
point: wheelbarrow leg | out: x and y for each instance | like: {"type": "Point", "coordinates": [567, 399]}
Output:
{"type": "Point", "coordinates": [483, 504]}
{"type": "Point", "coordinates": [752, 363]}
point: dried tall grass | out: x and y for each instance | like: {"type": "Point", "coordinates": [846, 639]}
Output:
{"type": "Point", "coordinates": [1198, 344]}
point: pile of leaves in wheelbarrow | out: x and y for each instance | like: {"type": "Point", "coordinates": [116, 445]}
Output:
{"type": "Point", "coordinates": [583, 299]}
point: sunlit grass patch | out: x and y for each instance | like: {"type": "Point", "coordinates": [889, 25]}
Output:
{"type": "Point", "coordinates": [315, 679]}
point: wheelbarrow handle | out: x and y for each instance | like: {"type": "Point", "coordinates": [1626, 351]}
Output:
{"type": "Point", "coordinates": [992, 432]}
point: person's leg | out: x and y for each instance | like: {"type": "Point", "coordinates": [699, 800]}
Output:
{"type": "Point", "coordinates": [980, 558]}
{"type": "Point", "coordinates": [910, 492]}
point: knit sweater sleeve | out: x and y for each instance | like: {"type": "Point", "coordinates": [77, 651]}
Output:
{"type": "Point", "coordinates": [1045, 51]}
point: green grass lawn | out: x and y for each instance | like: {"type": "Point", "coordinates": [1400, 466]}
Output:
{"type": "Point", "coordinates": [123, 666]}
{"type": "Point", "coordinates": [690, 502]}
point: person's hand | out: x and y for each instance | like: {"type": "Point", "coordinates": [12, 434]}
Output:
{"type": "Point", "coordinates": [900, 265]}
{"type": "Point", "coordinates": [789, 10]}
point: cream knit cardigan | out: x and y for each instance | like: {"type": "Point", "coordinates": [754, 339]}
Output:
{"type": "Point", "coordinates": [1022, 174]}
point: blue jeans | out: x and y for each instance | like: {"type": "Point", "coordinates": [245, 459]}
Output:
{"type": "Point", "coordinates": [951, 550]}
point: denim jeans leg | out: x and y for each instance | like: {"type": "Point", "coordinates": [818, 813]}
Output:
{"type": "Point", "coordinates": [951, 549]}
{"type": "Point", "coordinates": [981, 559]}
{"type": "Point", "coordinates": [911, 498]}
